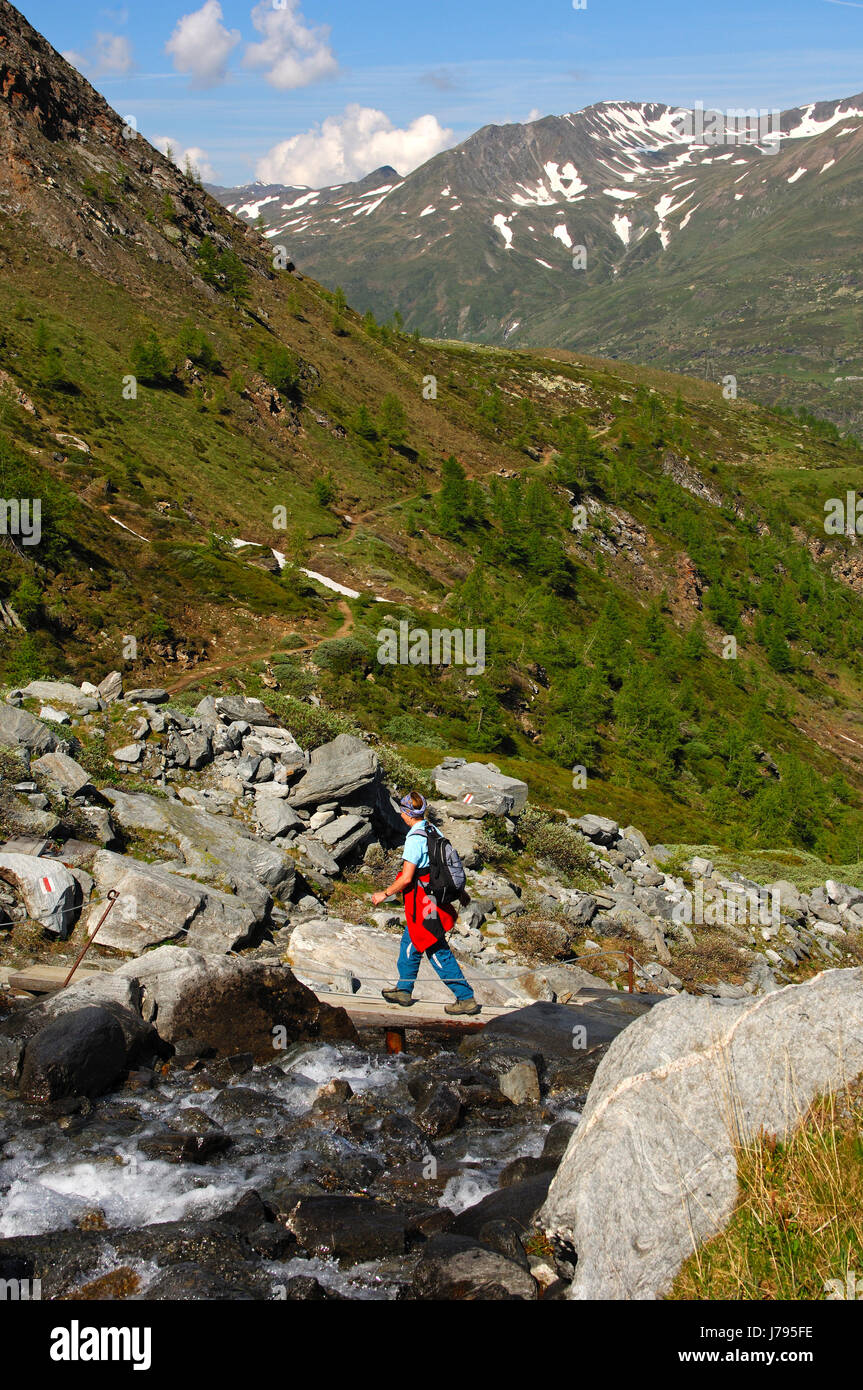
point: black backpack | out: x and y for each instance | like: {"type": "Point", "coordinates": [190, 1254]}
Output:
{"type": "Point", "coordinates": [446, 871]}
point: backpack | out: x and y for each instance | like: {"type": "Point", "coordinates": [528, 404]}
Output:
{"type": "Point", "coordinates": [446, 871]}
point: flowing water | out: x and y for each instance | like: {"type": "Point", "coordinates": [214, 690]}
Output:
{"type": "Point", "coordinates": [104, 1167]}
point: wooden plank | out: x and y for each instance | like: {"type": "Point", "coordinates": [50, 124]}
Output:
{"type": "Point", "coordinates": [43, 979]}
{"type": "Point", "coordinates": [368, 1012]}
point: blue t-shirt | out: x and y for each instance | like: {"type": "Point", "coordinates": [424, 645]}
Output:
{"type": "Point", "coordinates": [416, 850]}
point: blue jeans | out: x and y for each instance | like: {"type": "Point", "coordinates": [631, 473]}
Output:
{"type": "Point", "coordinates": [443, 962]}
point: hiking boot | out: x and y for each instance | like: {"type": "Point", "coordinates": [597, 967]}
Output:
{"type": "Point", "coordinates": [398, 996]}
{"type": "Point", "coordinates": [463, 1006]}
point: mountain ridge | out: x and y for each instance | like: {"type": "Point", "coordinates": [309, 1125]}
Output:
{"type": "Point", "coordinates": [682, 240]}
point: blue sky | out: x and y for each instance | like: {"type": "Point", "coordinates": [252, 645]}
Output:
{"type": "Point", "coordinates": [319, 91]}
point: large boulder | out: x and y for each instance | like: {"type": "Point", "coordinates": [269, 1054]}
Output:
{"type": "Point", "coordinates": [63, 774]}
{"type": "Point", "coordinates": [49, 892]}
{"type": "Point", "coordinates": [324, 951]}
{"type": "Point", "coordinates": [60, 693]}
{"type": "Point", "coordinates": [599, 829]}
{"type": "Point", "coordinates": [484, 783]}
{"type": "Point", "coordinates": [156, 906]}
{"type": "Point", "coordinates": [111, 688]}
{"type": "Point", "coordinates": [345, 835]}
{"type": "Point", "coordinates": [216, 849]}
{"type": "Point", "coordinates": [651, 1170]}
{"type": "Point", "coordinates": [19, 729]}
{"type": "Point", "coordinates": [462, 835]}
{"type": "Point", "coordinates": [351, 1229]}
{"type": "Point", "coordinates": [243, 709]}
{"type": "Point", "coordinates": [107, 993]}
{"type": "Point", "coordinates": [337, 769]}
{"type": "Point", "coordinates": [81, 1053]}
{"type": "Point", "coordinates": [592, 1018]}
{"type": "Point", "coordinates": [454, 1267]}
{"type": "Point", "coordinates": [228, 1005]}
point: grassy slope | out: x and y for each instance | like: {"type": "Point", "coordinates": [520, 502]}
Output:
{"type": "Point", "coordinates": [797, 1223]}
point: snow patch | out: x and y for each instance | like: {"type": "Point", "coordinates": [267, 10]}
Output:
{"type": "Point", "coordinates": [506, 232]}
{"type": "Point", "coordinates": [623, 226]}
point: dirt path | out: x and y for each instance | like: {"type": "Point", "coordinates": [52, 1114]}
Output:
{"type": "Point", "coordinates": [213, 668]}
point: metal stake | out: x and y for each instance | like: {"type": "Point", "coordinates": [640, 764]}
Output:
{"type": "Point", "coordinates": [112, 898]}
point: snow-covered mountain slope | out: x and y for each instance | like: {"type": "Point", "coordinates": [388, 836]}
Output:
{"type": "Point", "coordinates": [611, 230]}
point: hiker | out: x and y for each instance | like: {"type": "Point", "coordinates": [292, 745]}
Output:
{"type": "Point", "coordinates": [428, 917]}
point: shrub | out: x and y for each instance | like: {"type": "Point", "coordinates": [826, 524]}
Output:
{"type": "Point", "coordinates": [300, 682]}
{"type": "Point", "coordinates": [405, 729]}
{"type": "Point", "coordinates": [557, 843]}
{"type": "Point", "coordinates": [195, 344]}
{"type": "Point", "coordinates": [340, 655]}
{"type": "Point", "coordinates": [150, 361]}
{"type": "Point", "coordinates": [402, 774]}
{"type": "Point", "coordinates": [538, 936]}
{"type": "Point", "coordinates": [323, 490]}
{"type": "Point", "coordinates": [281, 369]}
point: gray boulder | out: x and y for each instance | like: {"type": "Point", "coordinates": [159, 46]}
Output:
{"type": "Point", "coordinates": [213, 848]}
{"type": "Point", "coordinates": [599, 829]}
{"type": "Point", "coordinates": [199, 748]}
{"type": "Point", "coordinates": [651, 1170]}
{"type": "Point", "coordinates": [18, 729]}
{"type": "Point", "coordinates": [581, 911]}
{"type": "Point", "coordinates": [232, 708]}
{"type": "Point", "coordinates": [111, 688]}
{"type": "Point", "coordinates": [129, 753]}
{"type": "Point", "coordinates": [229, 1005]}
{"type": "Point", "coordinates": [149, 696]}
{"type": "Point", "coordinates": [60, 693]}
{"type": "Point", "coordinates": [345, 835]}
{"type": "Point", "coordinates": [842, 894]}
{"type": "Point", "coordinates": [334, 774]}
{"type": "Point", "coordinates": [485, 783]}
{"type": "Point", "coordinates": [156, 906]}
{"type": "Point", "coordinates": [520, 1084]}
{"type": "Point", "coordinates": [275, 817]}
{"type": "Point", "coordinates": [456, 1267]}
{"type": "Point", "coordinates": [48, 890]}
{"type": "Point", "coordinates": [63, 774]}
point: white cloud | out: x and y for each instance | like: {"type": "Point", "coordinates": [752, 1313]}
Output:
{"type": "Point", "coordinates": [109, 55]}
{"type": "Point", "coordinates": [194, 155]}
{"type": "Point", "coordinates": [534, 114]}
{"type": "Point", "coordinates": [347, 147]}
{"type": "Point", "coordinates": [293, 53]}
{"type": "Point", "coordinates": [201, 45]}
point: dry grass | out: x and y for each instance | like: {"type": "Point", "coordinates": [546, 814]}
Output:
{"type": "Point", "coordinates": [538, 937]}
{"type": "Point", "coordinates": [799, 1218]}
{"type": "Point", "coordinates": [714, 957]}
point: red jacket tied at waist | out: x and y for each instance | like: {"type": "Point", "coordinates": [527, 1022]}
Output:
{"type": "Point", "coordinates": [428, 922]}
